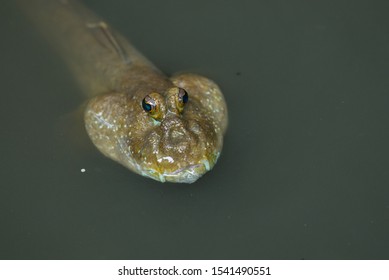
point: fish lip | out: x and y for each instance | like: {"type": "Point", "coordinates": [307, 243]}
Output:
{"type": "Point", "coordinates": [184, 169]}
{"type": "Point", "coordinates": [193, 167]}
{"type": "Point", "coordinates": [187, 174]}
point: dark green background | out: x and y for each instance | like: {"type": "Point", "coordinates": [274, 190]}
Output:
{"type": "Point", "coordinates": [304, 169]}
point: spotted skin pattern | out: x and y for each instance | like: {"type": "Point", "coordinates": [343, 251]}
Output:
{"type": "Point", "coordinates": [166, 128]}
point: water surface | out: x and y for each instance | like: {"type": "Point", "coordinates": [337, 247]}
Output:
{"type": "Point", "coordinates": [304, 169]}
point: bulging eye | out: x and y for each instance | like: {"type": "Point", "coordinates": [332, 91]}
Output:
{"type": "Point", "coordinates": [183, 95]}
{"type": "Point", "coordinates": [182, 98]}
{"type": "Point", "coordinates": [146, 105]}
{"type": "Point", "coordinates": [150, 105]}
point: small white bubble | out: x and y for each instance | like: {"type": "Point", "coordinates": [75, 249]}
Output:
{"type": "Point", "coordinates": [83, 170]}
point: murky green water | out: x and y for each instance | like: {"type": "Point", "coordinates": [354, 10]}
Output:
{"type": "Point", "coordinates": [304, 170]}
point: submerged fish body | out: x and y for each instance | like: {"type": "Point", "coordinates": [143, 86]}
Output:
{"type": "Point", "coordinates": [168, 129]}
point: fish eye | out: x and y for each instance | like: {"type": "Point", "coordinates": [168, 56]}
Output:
{"type": "Point", "coordinates": [148, 104]}
{"type": "Point", "coordinates": [183, 95]}
{"type": "Point", "coordinates": [152, 105]}
{"type": "Point", "coordinates": [181, 99]}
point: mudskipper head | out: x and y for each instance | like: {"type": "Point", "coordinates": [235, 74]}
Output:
{"type": "Point", "coordinates": [182, 142]}
{"type": "Point", "coordinates": [174, 135]}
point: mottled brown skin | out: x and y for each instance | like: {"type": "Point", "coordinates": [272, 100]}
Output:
{"type": "Point", "coordinates": [176, 141]}
{"type": "Point", "coordinates": [179, 146]}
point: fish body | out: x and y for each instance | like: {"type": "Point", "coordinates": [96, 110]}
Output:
{"type": "Point", "coordinates": [165, 128]}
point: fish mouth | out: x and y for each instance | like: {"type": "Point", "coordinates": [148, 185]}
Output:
{"type": "Point", "coordinates": [188, 174]}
